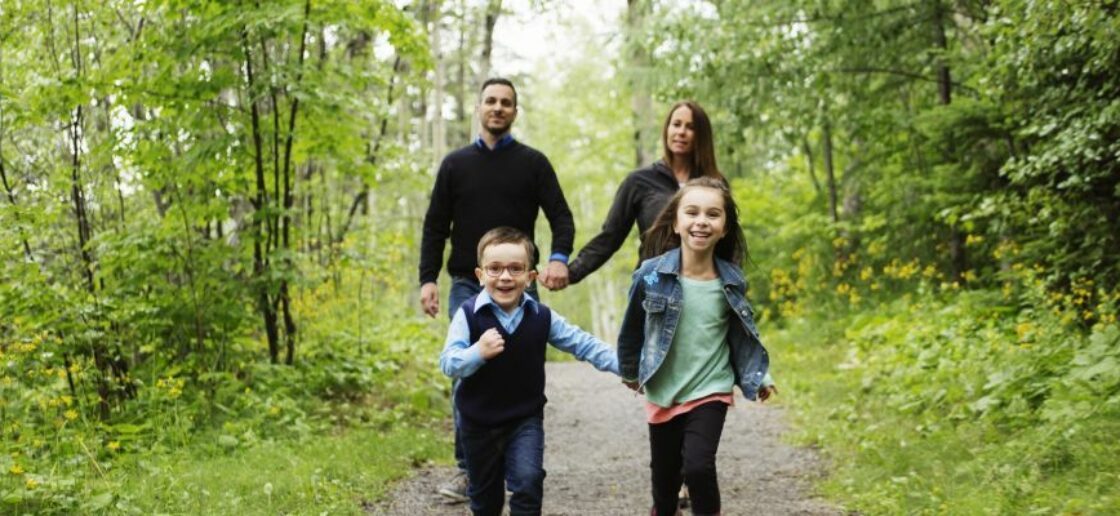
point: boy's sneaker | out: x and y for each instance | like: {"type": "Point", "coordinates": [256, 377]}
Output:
{"type": "Point", "coordinates": [682, 497]}
{"type": "Point", "coordinates": [455, 490]}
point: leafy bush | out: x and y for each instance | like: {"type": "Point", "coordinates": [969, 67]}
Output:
{"type": "Point", "coordinates": [974, 402]}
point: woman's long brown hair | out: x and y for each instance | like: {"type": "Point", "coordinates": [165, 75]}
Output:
{"type": "Point", "coordinates": [660, 237]}
{"type": "Point", "coordinates": [703, 163]}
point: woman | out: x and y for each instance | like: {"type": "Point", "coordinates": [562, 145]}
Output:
{"type": "Point", "coordinates": [688, 152]}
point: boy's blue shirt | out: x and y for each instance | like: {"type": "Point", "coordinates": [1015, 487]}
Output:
{"type": "Point", "coordinates": [461, 358]}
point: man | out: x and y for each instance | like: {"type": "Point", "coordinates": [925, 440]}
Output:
{"type": "Point", "coordinates": [495, 181]}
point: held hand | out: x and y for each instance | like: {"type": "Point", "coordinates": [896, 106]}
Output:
{"type": "Point", "coordinates": [555, 276]}
{"type": "Point", "coordinates": [429, 299]}
{"type": "Point", "coordinates": [767, 392]}
{"type": "Point", "coordinates": [491, 344]}
{"type": "Point", "coordinates": [545, 278]}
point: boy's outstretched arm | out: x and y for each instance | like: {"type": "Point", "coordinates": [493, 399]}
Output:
{"type": "Point", "coordinates": [571, 339]}
{"type": "Point", "coordinates": [460, 358]}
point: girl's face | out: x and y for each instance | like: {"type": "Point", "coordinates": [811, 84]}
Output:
{"type": "Point", "coordinates": [679, 133]}
{"type": "Point", "coordinates": [701, 219]}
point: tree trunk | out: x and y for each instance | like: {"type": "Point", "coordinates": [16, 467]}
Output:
{"type": "Point", "coordinates": [641, 99]}
{"type": "Point", "coordinates": [439, 125]}
{"type": "Point", "coordinates": [286, 218]}
{"type": "Point", "coordinates": [81, 216]}
{"type": "Point", "coordinates": [461, 131]}
{"type": "Point", "coordinates": [260, 260]}
{"type": "Point", "coordinates": [374, 151]}
{"type": "Point", "coordinates": [958, 254]}
{"type": "Point", "coordinates": [944, 81]}
{"type": "Point", "coordinates": [808, 150]}
{"type": "Point", "coordinates": [826, 149]}
{"type": "Point", "coordinates": [489, 20]}
{"type": "Point", "coordinates": [4, 172]}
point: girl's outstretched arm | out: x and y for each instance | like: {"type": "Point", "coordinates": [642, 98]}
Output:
{"type": "Point", "coordinates": [765, 392]}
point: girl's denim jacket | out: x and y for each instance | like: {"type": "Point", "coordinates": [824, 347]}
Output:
{"type": "Point", "coordinates": [655, 307]}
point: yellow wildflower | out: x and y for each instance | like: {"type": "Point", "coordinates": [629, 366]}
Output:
{"type": "Point", "coordinates": [16, 470]}
{"type": "Point", "coordinates": [70, 414]}
{"type": "Point", "coordinates": [973, 239]}
{"type": "Point", "coordinates": [114, 445]}
{"type": "Point", "coordinates": [31, 483]}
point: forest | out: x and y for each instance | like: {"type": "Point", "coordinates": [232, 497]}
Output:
{"type": "Point", "coordinates": [211, 211]}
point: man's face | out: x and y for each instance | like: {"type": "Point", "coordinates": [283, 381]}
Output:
{"type": "Point", "coordinates": [504, 273]}
{"type": "Point", "coordinates": [497, 109]}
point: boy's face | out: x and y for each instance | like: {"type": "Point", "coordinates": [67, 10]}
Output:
{"type": "Point", "coordinates": [504, 272]}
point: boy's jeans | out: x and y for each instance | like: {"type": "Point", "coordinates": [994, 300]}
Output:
{"type": "Point", "coordinates": [462, 288]}
{"type": "Point", "coordinates": [513, 452]}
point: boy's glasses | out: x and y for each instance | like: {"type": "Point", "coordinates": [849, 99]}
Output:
{"type": "Point", "coordinates": [514, 270]}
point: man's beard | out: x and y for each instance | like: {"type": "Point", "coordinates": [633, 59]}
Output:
{"type": "Point", "coordinates": [496, 131]}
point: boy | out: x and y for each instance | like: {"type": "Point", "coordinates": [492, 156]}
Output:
{"type": "Point", "coordinates": [496, 347]}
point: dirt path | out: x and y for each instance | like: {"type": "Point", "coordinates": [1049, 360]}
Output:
{"type": "Point", "coordinates": [597, 457]}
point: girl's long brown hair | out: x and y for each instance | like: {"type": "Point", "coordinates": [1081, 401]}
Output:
{"type": "Point", "coordinates": [660, 237]}
{"type": "Point", "coordinates": [703, 143]}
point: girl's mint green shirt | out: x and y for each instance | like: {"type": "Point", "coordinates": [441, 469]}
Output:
{"type": "Point", "coordinates": [698, 362]}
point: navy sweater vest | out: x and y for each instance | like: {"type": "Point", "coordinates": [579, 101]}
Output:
{"type": "Point", "coordinates": [509, 386]}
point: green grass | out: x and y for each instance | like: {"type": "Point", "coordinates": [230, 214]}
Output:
{"type": "Point", "coordinates": [894, 413]}
{"type": "Point", "coordinates": [337, 474]}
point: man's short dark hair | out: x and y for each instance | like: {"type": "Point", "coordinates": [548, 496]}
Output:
{"type": "Point", "coordinates": [499, 80]}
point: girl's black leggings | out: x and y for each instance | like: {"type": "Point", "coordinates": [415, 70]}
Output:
{"type": "Point", "coordinates": [687, 444]}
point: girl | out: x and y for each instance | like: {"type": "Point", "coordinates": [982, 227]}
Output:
{"type": "Point", "coordinates": [688, 336]}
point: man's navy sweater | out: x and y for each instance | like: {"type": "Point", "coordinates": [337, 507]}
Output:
{"type": "Point", "coordinates": [479, 189]}
{"type": "Point", "coordinates": [509, 386]}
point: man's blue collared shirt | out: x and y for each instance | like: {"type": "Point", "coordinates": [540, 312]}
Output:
{"type": "Point", "coordinates": [461, 358]}
{"type": "Point", "coordinates": [503, 142]}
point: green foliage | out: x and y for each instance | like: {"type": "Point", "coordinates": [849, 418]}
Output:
{"type": "Point", "coordinates": [341, 473]}
{"type": "Point", "coordinates": [979, 403]}
{"type": "Point", "coordinates": [154, 202]}
{"type": "Point", "coordinates": [942, 121]}
{"type": "Point", "coordinates": [930, 191]}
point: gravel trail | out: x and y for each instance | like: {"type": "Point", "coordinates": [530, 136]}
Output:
{"type": "Point", "coordinates": [597, 457]}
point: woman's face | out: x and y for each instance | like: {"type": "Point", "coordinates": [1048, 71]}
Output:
{"type": "Point", "coordinates": [679, 134]}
